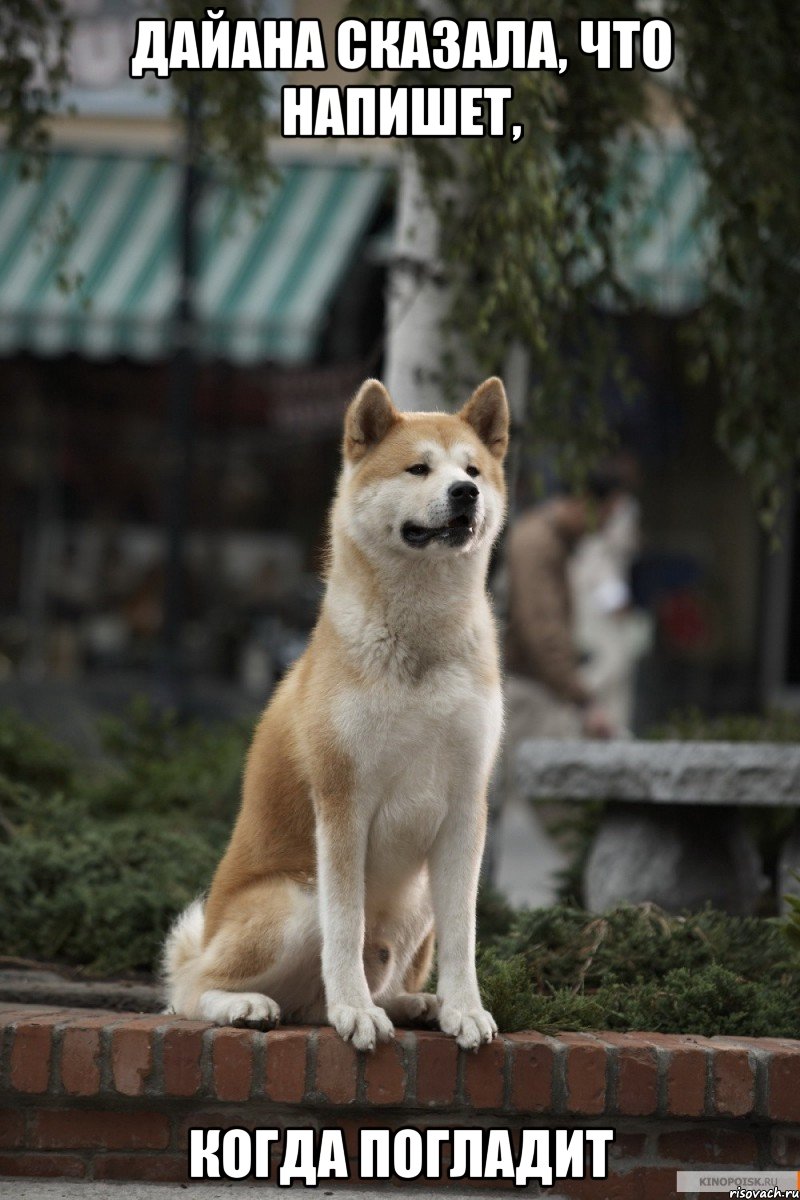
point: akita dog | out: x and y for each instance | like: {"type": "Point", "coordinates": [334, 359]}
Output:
{"type": "Point", "coordinates": [363, 814]}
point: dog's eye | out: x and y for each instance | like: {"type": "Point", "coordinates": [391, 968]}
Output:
{"type": "Point", "coordinates": [472, 471]}
{"type": "Point", "coordinates": [419, 469]}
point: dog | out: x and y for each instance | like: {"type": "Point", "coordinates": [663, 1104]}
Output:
{"type": "Point", "coordinates": [363, 812]}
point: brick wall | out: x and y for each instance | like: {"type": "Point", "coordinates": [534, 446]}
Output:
{"type": "Point", "coordinates": [106, 1095]}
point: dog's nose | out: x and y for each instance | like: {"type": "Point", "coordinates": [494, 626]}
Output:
{"type": "Point", "coordinates": [462, 494]}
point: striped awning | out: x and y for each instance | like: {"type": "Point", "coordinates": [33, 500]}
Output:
{"type": "Point", "coordinates": [663, 244]}
{"type": "Point", "coordinates": [89, 257]}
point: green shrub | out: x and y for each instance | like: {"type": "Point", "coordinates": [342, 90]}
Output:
{"type": "Point", "coordinates": [100, 894]}
{"type": "Point", "coordinates": [792, 922]}
{"type": "Point", "coordinates": [567, 947]}
{"type": "Point", "coordinates": [30, 756]}
{"type": "Point", "coordinates": [95, 863]}
{"type": "Point", "coordinates": [160, 765]}
{"type": "Point", "coordinates": [692, 725]}
{"type": "Point", "coordinates": [637, 968]}
{"type": "Point", "coordinates": [710, 1002]}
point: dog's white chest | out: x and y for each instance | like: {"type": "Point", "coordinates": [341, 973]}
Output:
{"type": "Point", "coordinates": [392, 731]}
{"type": "Point", "coordinates": [415, 750]}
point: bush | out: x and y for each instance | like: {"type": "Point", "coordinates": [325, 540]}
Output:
{"type": "Point", "coordinates": [30, 756]}
{"type": "Point", "coordinates": [691, 725]}
{"type": "Point", "coordinates": [159, 765]}
{"type": "Point", "coordinates": [100, 895]}
{"type": "Point", "coordinates": [95, 863]}
{"type": "Point", "coordinates": [637, 968]}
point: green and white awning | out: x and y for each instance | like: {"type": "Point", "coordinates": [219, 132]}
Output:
{"type": "Point", "coordinates": [88, 257]}
{"type": "Point", "coordinates": [89, 252]}
{"type": "Point", "coordinates": [663, 245]}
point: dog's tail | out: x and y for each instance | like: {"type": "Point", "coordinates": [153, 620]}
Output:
{"type": "Point", "coordinates": [182, 950]}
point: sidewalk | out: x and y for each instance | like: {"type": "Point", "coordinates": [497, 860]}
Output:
{"type": "Point", "coordinates": [60, 1189]}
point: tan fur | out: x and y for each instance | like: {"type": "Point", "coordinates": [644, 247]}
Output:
{"type": "Point", "coordinates": [417, 974]}
{"type": "Point", "coordinates": [304, 774]}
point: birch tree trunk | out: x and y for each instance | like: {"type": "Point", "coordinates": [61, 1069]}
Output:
{"type": "Point", "coordinates": [418, 298]}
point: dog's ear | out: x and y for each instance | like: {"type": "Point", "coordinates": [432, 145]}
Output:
{"type": "Point", "coordinates": [369, 418]}
{"type": "Point", "coordinates": [487, 412]}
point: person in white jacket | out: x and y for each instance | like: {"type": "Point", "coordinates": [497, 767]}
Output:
{"type": "Point", "coordinates": [610, 634]}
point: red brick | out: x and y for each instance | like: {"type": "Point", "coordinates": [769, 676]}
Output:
{"type": "Point", "coordinates": [232, 1063]}
{"type": "Point", "coordinates": [80, 1061]}
{"type": "Point", "coordinates": [770, 1044]}
{"type": "Point", "coordinates": [78, 1129]}
{"type": "Point", "coordinates": [626, 1146]}
{"type": "Point", "coordinates": [154, 1168]}
{"type": "Point", "coordinates": [182, 1049]}
{"type": "Point", "coordinates": [784, 1085]}
{"type": "Point", "coordinates": [16, 1014]}
{"type": "Point", "coordinates": [131, 1058]}
{"type": "Point", "coordinates": [686, 1082]}
{"type": "Point", "coordinates": [285, 1079]}
{"type": "Point", "coordinates": [585, 1074]}
{"type": "Point", "coordinates": [725, 1042]}
{"type": "Point", "coordinates": [734, 1083]}
{"type": "Point", "coordinates": [31, 1054]}
{"type": "Point", "coordinates": [531, 1073]}
{"type": "Point", "coordinates": [614, 1187]}
{"type": "Point", "coordinates": [709, 1146]}
{"type": "Point", "coordinates": [644, 1183]}
{"type": "Point", "coordinates": [11, 1013]}
{"type": "Point", "coordinates": [656, 1183]}
{"type": "Point", "coordinates": [483, 1075]}
{"type": "Point", "coordinates": [351, 1130]}
{"type": "Point", "coordinates": [637, 1074]}
{"type": "Point", "coordinates": [12, 1128]}
{"type": "Point", "coordinates": [337, 1065]}
{"type": "Point", "coordinates": [385, 1073]}
{"type": "Point", "coordinates": [437, 1063]}
{"type": "Point", "coordinates": [90, 1018]}
{"type": "Point", "coordinates": [223, 1118]}
{"type": "Point", "coordinates": [686, 1072]}
{"type": "Point", "coordinates": [785, 1149]}
{"type": "Point", "coordinates": [50, 1166]}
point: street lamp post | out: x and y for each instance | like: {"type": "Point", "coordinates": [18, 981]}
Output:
{"type": "Point", "coordinates": [180, 405]}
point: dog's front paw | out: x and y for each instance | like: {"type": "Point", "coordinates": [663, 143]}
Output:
{"type": "Point", "coordinates": [361, 1026]}
{"type": "Point", "coordinates": [469, 1026]}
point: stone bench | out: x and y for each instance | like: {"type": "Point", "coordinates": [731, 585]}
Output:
{"type": "Point", "coordinates": [672, 832]}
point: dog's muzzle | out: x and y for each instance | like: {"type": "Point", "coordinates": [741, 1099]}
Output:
{"type": "Point", "coordinates": [462, 498]}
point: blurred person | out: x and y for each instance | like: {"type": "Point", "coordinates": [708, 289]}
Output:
{"type": "Point", "coordinates": [611, 634]}
{"type": "Point", "coordinates": [547, 695]}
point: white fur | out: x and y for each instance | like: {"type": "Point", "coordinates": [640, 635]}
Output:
{"type": "Point", "coordinates": [185, 941]}
{"type": "Point", "coordinates": [238, 1008]}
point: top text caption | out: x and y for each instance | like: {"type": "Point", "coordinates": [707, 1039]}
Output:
{"type": "Point", "coordinates": [458, 110]}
